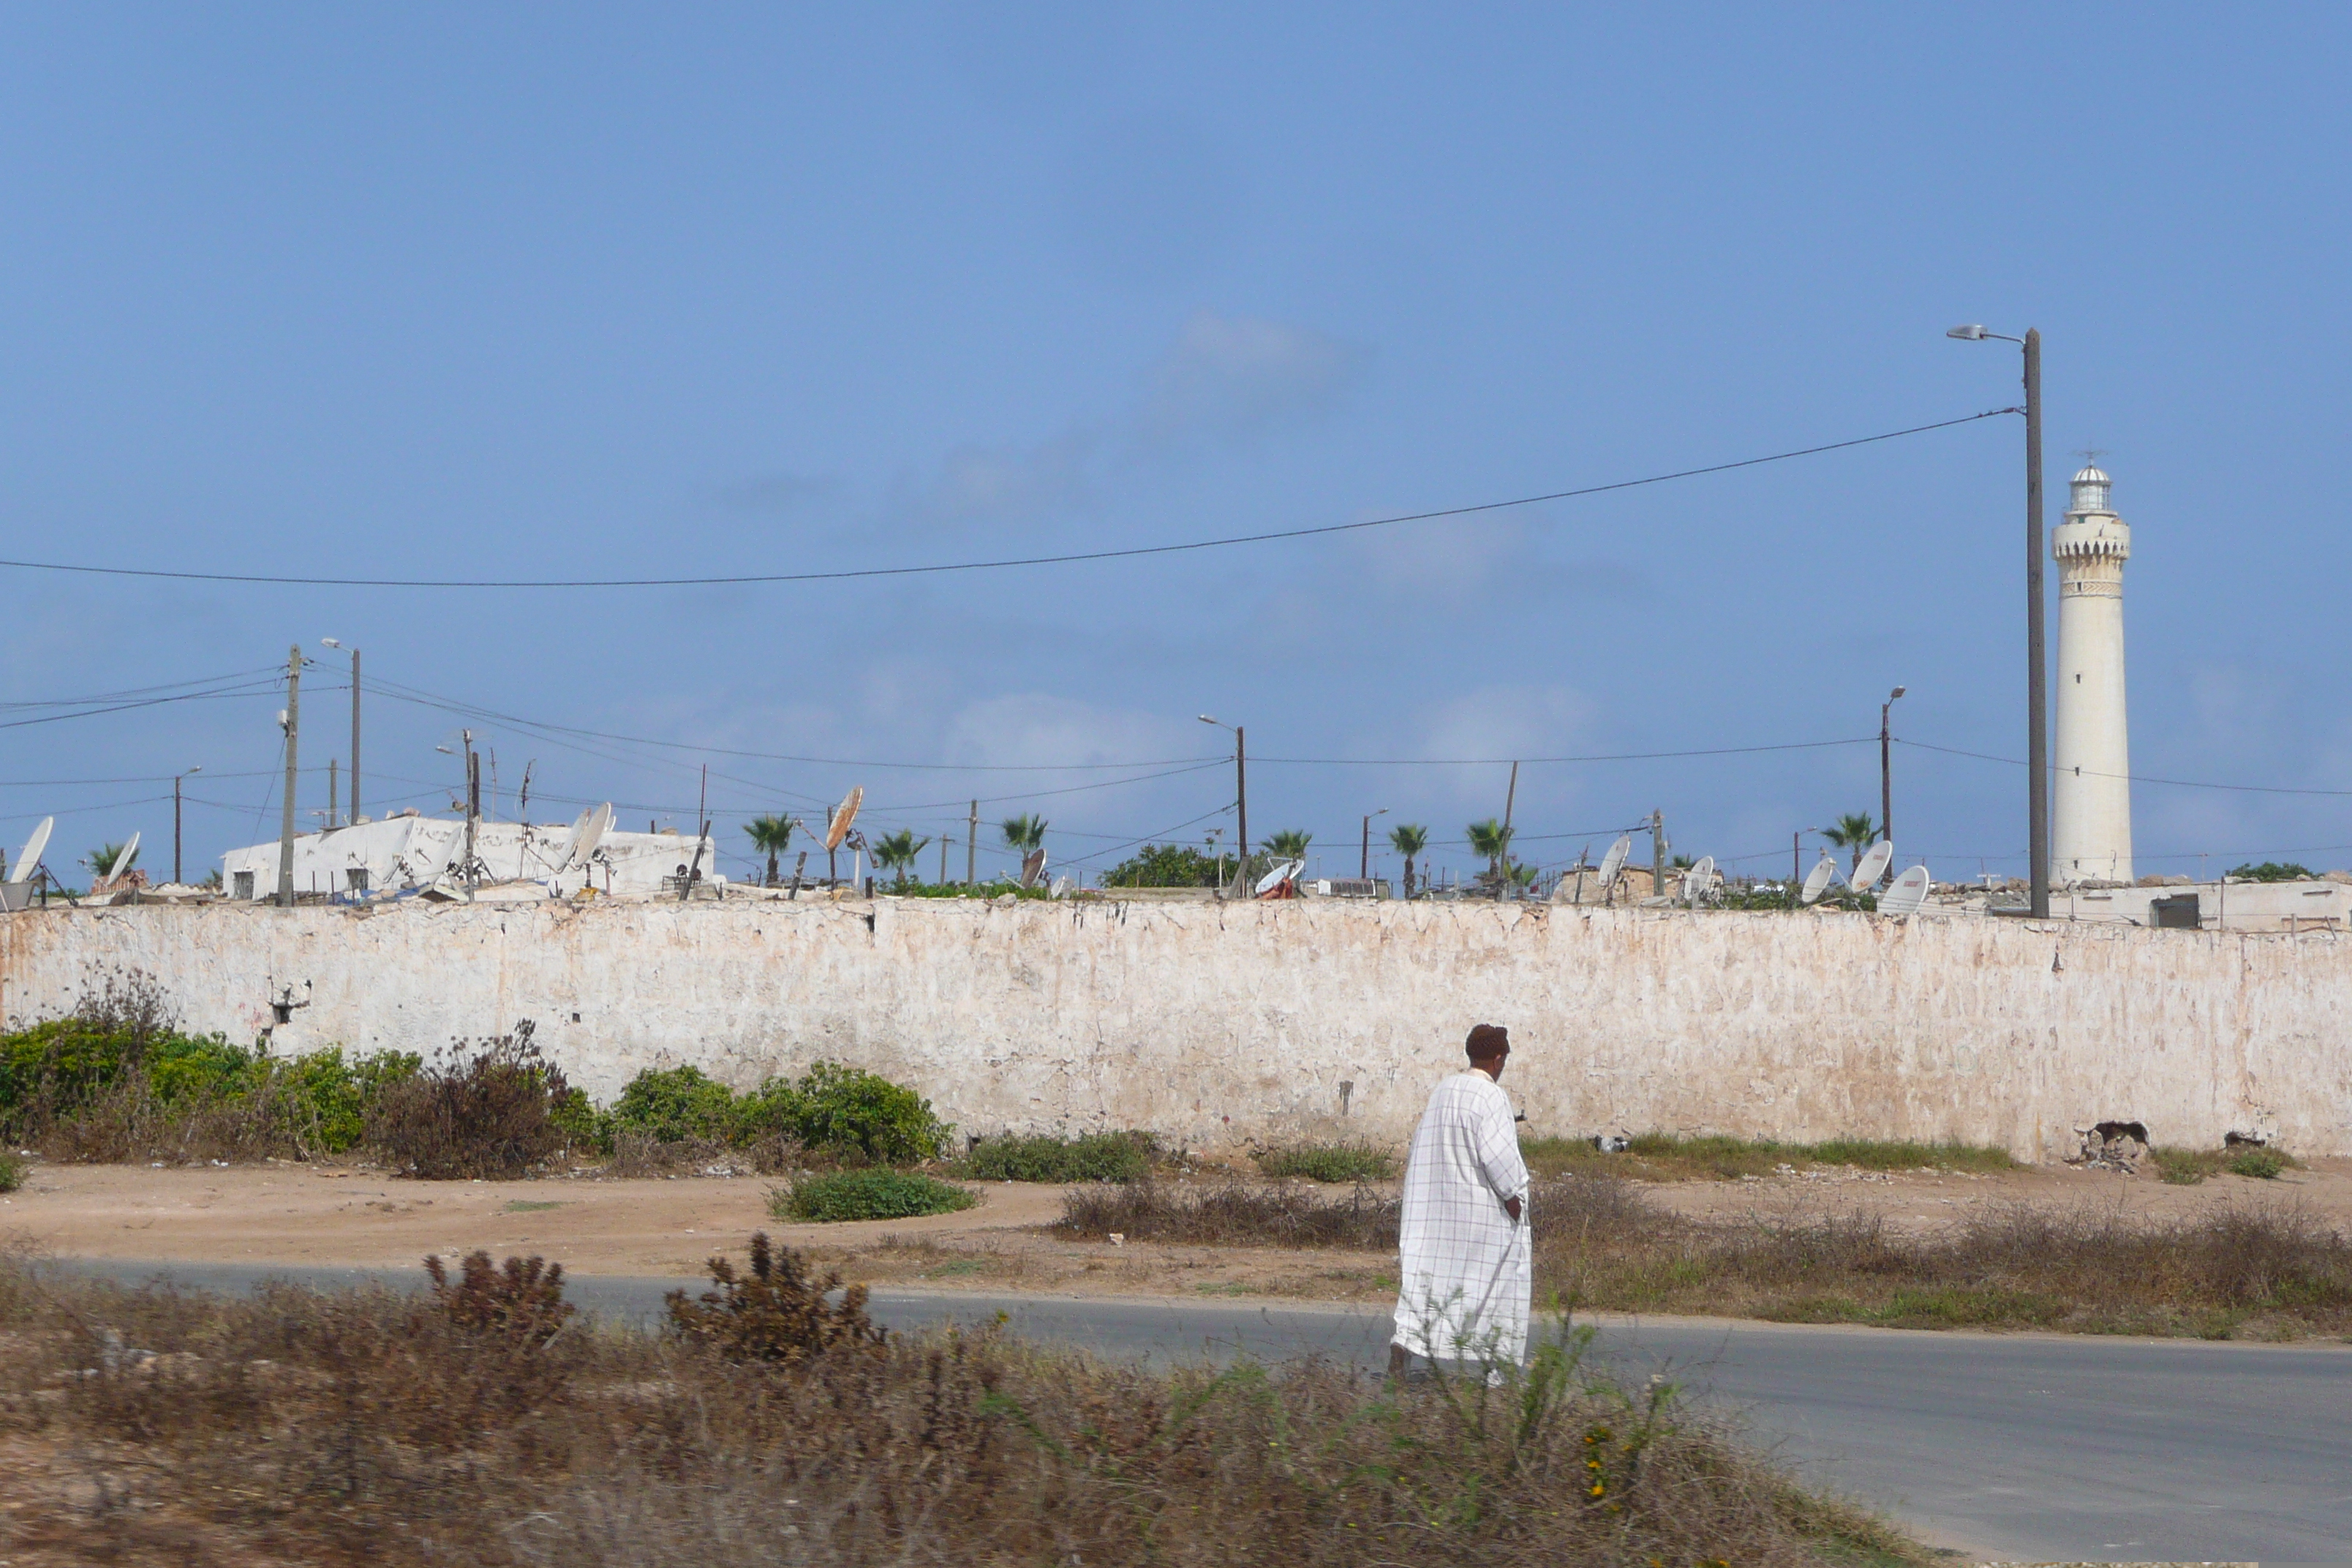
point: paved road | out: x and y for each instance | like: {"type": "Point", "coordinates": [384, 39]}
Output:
{"type": "Point", "coordinates": [2015, 1447]}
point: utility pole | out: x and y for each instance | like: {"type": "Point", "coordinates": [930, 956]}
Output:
{"type": "Point", "coordinates": [944, 841]}
{"type": "Point", "coordinates": [702, 803]}
{"type": "Point", "coordinates": [1510, 799]}
{"type": "Point", "coordinates": [2037, 753]}
{"type": "Point", "coordinates": [1658, 853]}
{"type": "Point", "coordinates": [473, 809]}
{"type": "Point", "coordinates": [286, 822]}
{"type": "Point", "coordinates": [331, 783]}
{"type": "Point", "coordinates": [176, 819]}
{"type": "Point", "coordinates": [1796, 871]}
{"type": "Point", "coordinates": [971, 848]}
{"type": "Point", "coordinates": [354, 818]}
{"type": "Point", "coordinates": [1364, 872]}
{"type": "Point", "coordinates": [1886, 770]}
{"type": "Point", "coordinates": [1241, 793]}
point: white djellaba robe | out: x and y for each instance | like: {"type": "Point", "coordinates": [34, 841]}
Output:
{"type": "Point", "coordinates": [1466, 1279]}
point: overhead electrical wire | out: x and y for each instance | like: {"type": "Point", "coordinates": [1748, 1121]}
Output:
{"type": "Point", "coordinates": [2134, 778]}
{"type": "Point", "coordinates": [1002, 564]}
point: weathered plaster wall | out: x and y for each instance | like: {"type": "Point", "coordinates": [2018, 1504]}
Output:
{"type": "Point", "coordinates": [1215, 1022]}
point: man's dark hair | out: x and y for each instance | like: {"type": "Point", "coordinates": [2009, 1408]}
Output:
{"type": "Point", "coordinates": [1487, 1041]}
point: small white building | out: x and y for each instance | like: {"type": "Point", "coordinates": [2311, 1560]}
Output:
{"type": "Point", "coordinates": [406, 854]}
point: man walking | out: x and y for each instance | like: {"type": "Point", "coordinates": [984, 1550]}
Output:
{"type": "Point", "coordinates": [1465, 1270]}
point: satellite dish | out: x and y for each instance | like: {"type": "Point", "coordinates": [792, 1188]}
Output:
{"type": "Point", "coordinates": [122, 861]}
{"type": "Point", "coordinates": [1910, 891]}
{"type": "Point", "coordinates": [1699, 880]}
{"type": "Point", "coordinates": [837, 828]}
{"type": "Point", "coordinates": [1817, 880]}
{"type": "Point", "coordinates": [572, 841]}
{"type": "Point", "coordinates": [1283, 871]}
{"type": "Point", "coordinates": [598, 826]}
{"type": "Point", "coordinates": [1873, 866]}
{"type": "Point", "coordinates": [30, 860]}
{"type": "Point", "coordinates": [1061, 886]}
{"type": "Point", "coordinates": [1614, 861]}
{"type": "Point", "coordinates": [1032, 867]}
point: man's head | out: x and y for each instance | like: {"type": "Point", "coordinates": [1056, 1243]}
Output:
{"type": "Point", "coordinates": [1488, 1046]}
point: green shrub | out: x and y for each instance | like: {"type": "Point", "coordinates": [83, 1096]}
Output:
{"type": "Point", "coordinates": [1093, 1157]}
{"type": "Point", "coordinates": [2271, 871]}
{"type": "Point", "coordinates": [12, 1172]}
{"type": "Point", "coordinates": [1166, 866]}
{"type": "Point", "coordinates": [867, 1195]}
{"type": "Point", "coordinates": [1339, 1163]}
{"type": "Point", "coordinates": [843, 1109]}
{"type": "Point", "coordinates": [2262, 1164]}
{"type": "Point", "coordinates": [674, 1104]}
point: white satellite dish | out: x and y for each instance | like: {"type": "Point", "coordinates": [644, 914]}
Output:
{"type": "Point", "coordinates": [1060, 888]}
{"type": "Point", "coordinates": [1699, 880]}
{"type": "Point", "coordinates": [1910, 891]}
{"type": "Point", "coordinates": [122, 862]}
{"type": "Point", "coordinates": [570, 851]}
{"type": "Point", "coordinates": [1283, 871]}
{"type": "Point", "coordinates": [1032, 867]}
{"type": "Point", "coordinates": [598, 826]}
{"type": "Point", "coordinates": [837, 829]}
{"type": "Point", "coordinates": [30, 860]}
{"type": "Point", "coordinates": [1874, 865]}
{"type": "Point", "coordinates": [1614, 861]}
{"type": "Point", "coordinates": [1817, 880]}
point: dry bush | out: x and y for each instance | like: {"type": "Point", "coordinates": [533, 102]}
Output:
{"type": "Point", "coordinates": [368, 1427]}
{"type": "Point", "coordinates": [492, 1113]}
{"type": "Point", "coordinates": [777, 1312]}
{"type": "Point", "coordinates": [1230, 1212]}
{"type": "Point", "coordinates": [524, 1300]}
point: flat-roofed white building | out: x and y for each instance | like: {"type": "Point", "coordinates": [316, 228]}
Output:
{"type": "Point", "coordinates": [405, 854]}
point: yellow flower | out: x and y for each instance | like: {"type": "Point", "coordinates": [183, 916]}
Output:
{"type": "Point", "coordinates": [1599, 1487]}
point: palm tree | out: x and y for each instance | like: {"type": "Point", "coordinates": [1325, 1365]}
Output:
{"type": "Point", "coordinates": [772, 835]}
{"type": "Point", "coordinates": [1290, 844]}
{"type": "Point", "coordinates": [1408, 839]}
{"type": "Point", "coordinates": [1024, 835]}
{"type": "Point", "coordinates": [1853, 831]}
{"type": "Point", "coordinates": [898, 851]}
{"type": "Point", "coordinates": [101, 861]}
{"type": "Point", "coordinates": [1492, 840]}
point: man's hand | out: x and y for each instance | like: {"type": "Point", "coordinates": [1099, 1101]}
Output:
{"type": "Point", "coordinates": [1511, 1207]}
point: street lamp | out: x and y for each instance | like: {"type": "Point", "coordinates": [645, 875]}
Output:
{"type": "Point", "coordinates": [1241, 796]}
{"type": "Point", "coordinates": [1365, 872]}
{"type": "Point", "coordinates": [330, 642]}
{"type": "Point", "coordinates": [175, 820]}
{"type": "Point", "coordinates": [1885, 771]}
{"type": "Point", "coordinates": [2037, 741]}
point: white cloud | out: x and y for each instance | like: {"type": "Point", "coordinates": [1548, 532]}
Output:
{"type": "Point", "coordinates": [1498, 723]}
{"type": "Point", "coordinates": [1034, 726]}
{"type": "Point", "coordinates": [1231, 377]}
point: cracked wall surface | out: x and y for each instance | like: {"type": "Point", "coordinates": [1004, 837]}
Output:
{"type": "Point", "coordinates": [1214, 1024]}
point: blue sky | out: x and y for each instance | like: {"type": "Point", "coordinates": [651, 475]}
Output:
{"type": "Point", "coordinates": [590, 291]}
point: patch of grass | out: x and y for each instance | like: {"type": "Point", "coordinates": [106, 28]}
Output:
{"type": "Point", "coordinates": [1670, 1157]}
{"type": "Point", "coordinates": [12, 1172]}
{"type": "Point", "coordinates": [957, 1268]}
{"type": "Point", "coordinates": [2277, 1268]}
{"type": "Point", "coordinates": [1090, 1157]}
{"type": "Point", "coordinates": [771, 1424]}
{"type": "Point", "coordinates": [873, 1194]}
{"type": "Point", "coordinates": [1230, 1211]}
{"type": "Point", "coordinates": [1334, 1163]}
{"type": "Point", "coordinates": [2189, 1167]}
{"type": "Point", "coordinates": [526, 1205]}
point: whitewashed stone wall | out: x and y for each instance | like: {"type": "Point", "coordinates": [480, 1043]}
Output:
{"type": "Point", "coordinates": [1220, 1024]}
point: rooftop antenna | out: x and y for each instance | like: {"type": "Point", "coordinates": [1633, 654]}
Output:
{"type": "Point", "coordinates": [1874, 861]}
{"type": "Point", "coordinates": [29, 862]}
{"type": "Point", "coordinates": [1614, 862]}
{"type": "Point", "coordinates": [836, 828]}
{"type": "Point", "coordinates": [1910, 891]}
{"type": "Point", "coordinates": [1032, 867]}
{"type": "Point", "coordinates": [1283, 871]}
{"type": "Point", "coordinates": [1699, 880]}
{"type": "Point", "coordinates": [1817, 880]}
{"type": "Point", "coordinates": [121, 867]}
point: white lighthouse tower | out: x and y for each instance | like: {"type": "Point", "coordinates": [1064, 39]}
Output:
{"type": "Point", "coordinates": [2091, 817]}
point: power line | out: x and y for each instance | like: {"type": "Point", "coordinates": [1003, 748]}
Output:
{"type": "Point", "coordinates": [1006, 562]}
{"type": "Point", "coordinates": [2134, 778]}
{"type": "Point", "coordinates": [1596, 757]}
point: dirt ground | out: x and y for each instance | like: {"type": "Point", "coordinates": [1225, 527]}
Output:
{"type": "Point", "coordinates": [357, 1217]}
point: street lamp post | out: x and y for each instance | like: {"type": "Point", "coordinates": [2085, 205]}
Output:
{"type": "Point", "coordinates": [1886, 770]}
{"type": "Point", "coordinates": [354, 817]}
{"type": "Point", "coordinates": [1240, 796]}
{"type": "Point", "coordinates": [1364, 872]}
{"type": "Point", "coordinates": [175, 820]}
{"type": "Point", "coordinates": [2037, 741]}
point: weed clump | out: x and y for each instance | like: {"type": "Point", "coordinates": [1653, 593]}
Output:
{"type": "Point", "coordinates": [870, 1193]}
{"type": "Point", "coordinates": [493, 1114]}
{"type": "Point", "coordinates": [2189, 1167]}
{"type": "Point", "coordinates": [1330, 1162]}
{"type": "Point", "coordinates": [12, 1172]}
{"type": "Point", "coordinates": [524, 1301]}
{"type": "Point", "coordinates": [776, 1313]}
{"type": "Point", "coordinates": [1672, 1157]}
{"type": "Point", "coordinates": [1090, 1157]}
{"type": "Point", "coordinates": [1230, 1212]}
